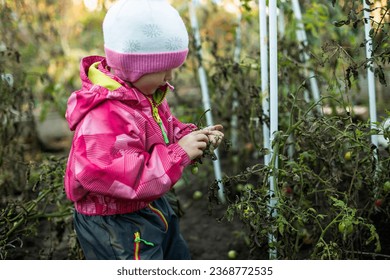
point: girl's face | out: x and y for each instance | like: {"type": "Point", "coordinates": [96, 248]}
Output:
{"type": "Point", "coordinates": [149, 83]}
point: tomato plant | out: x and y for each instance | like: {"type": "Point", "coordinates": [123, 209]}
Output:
{"type": "Point", "coordinates": [330, 209]}
{"type": "Point", "coordinates": [326, 174]}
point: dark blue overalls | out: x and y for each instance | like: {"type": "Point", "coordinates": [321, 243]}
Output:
{"type": "Point", "coordinates": [151, 233]}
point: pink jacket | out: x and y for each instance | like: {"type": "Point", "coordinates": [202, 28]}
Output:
{"type": "Point", "coordinates": [119, 162]}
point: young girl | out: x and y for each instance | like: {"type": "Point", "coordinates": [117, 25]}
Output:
{"type": "Point", "coordinates": [128, 149]}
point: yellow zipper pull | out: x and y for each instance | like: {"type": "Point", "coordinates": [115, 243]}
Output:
{"type": "Point", "coordinates": [166, 140]}
{"type": "Point", "coordinates": [138, 239]}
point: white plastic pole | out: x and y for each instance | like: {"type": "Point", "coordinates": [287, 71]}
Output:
{"type": "Point", "coordinates": [205, 94]}
{"type": "Point", "coordinates": [235, 104]}
{"type": "Point", "coordinates": [264, 73]}
{"type": "Point", "coordinates": [302, 38]}
{"type": "Point", "coordinates": [273, 61]}
{"type": "Point", "coordinates": [237, 49]}
{"type": "Point", "coordinates": [370, 73]}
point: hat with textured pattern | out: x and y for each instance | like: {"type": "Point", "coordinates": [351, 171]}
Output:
{"type": "Point", "coordinates": [143, 36]}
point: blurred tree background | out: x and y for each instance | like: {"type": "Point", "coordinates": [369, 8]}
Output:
{"type": "Point", "coordinates": [42, 42]}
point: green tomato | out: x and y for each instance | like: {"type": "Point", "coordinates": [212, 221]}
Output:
{"type": "Point", "coordinates": [386, 186]}
{"type": "Point", "coordinates": [348, 155]}
{"type": "Point", "coordinates": [240, 187]}
{"type": "Point", "coordinates": [195, 169]}
{"type": "Point", "coordinates": [248, 186]}
{"type": "Point", "coordinates": [197, 195]}
{"type": "Point", "coordinates": [345, 227]}
{"type": "Point", "coordinates": [342, 227]}
{"type": "Point", "coordinates": [232, 254]}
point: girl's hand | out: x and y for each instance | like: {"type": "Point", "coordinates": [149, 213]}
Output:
{"type": "Point", "coordinates": [194, 143]}
{"type": "Point", "coordinates": [215, 134]}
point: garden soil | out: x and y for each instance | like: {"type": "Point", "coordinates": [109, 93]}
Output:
{"type": "Point", "coordinates": [209, 235]}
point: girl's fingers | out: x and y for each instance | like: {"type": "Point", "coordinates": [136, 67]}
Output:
{"type": "Point", "coordinates": [202, 146]}
{"type": "Point", "coordinates": [217, 133]}
{"type": "Point", "coordinates": [211, 134]}
{"type": "Point", "coordinates": [202, 137]}
{"type": "Point", "coordinates": [202, 132]}
{"type": "Point", "coordinates": [217, 127]}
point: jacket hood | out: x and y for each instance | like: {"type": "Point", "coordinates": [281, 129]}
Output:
{"type": "Point", "coordinates": [98, 85]}
{"type": "Point", "coordinates": [91, 95]}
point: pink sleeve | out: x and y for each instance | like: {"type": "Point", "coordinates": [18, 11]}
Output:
{"type": "Point", "coordinates": [179, 129]}
{"type": "Point", "coordinates": [182, 129]}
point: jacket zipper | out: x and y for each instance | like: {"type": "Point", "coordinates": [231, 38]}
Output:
{"type": "Point", "coordinates": [158, 120]}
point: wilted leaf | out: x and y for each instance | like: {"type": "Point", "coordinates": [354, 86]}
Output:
{"type": "Point", "coordinates": [341, 22]}
{"type": "Point", "coordinates": [369, 3]}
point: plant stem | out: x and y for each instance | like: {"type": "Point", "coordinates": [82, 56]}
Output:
{"type": "Point", "coordinates": [321, 238]}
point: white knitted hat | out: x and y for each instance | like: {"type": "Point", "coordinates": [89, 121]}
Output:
{"type": "Point", "coordinates": [143, 36]}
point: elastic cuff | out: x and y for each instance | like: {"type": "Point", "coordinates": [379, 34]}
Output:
{"type": "Point", "coordinates": [179, 152]}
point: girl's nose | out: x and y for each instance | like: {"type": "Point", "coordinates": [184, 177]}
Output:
{"type": "Point", "coordinates": [168, 75]}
